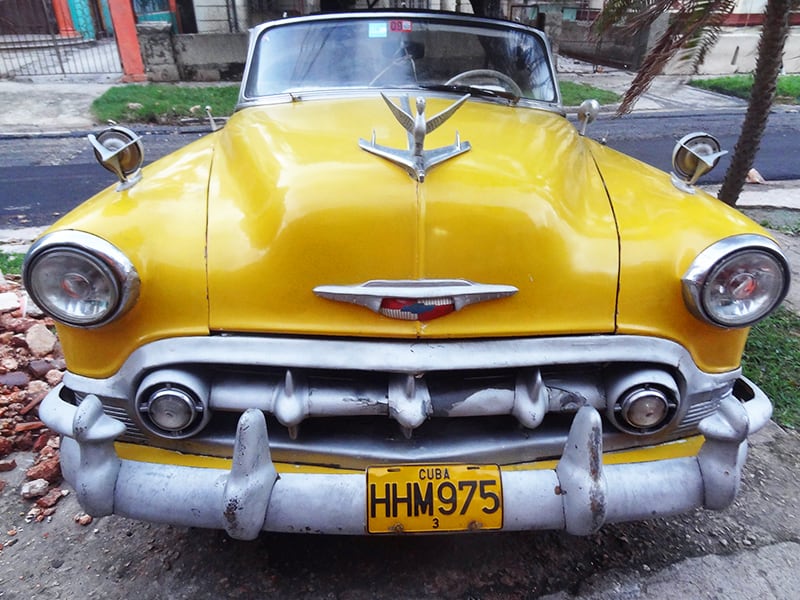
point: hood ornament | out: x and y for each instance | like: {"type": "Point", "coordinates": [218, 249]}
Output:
{"type": "Point", "coordinates": [416, 160]}
{"type": "Point", "coordinates": [415, 299]}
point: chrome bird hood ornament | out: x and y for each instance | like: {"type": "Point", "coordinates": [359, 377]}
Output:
{"type": "Point", "coordinates": [416, 160]}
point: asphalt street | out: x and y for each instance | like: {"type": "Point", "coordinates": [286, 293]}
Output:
{"type": "Point", "coordinates": [31, 163]}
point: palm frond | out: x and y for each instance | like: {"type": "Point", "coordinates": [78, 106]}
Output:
{"type": "Point", "coordinates": [693, 29]}
{"type": "Point", "coordinates": [630, 15]}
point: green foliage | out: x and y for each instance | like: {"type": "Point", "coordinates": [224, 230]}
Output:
{"type": "Point", "coordinates": [572, 94]}
{"type": "Point", "coordinates": [11, 263]}
{"type": "Point", "coordinates": [164, 103]}
{"type": "Point", "coordinates": [168, 104]}
{"type": "Point", "coordinates": [788, 91]}
{"type": "Point", "coordinates": [772, 359]}
{"type": "Point", "coordinates": [786, 226]}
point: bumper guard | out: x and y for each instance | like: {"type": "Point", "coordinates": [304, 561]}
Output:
{"type": "Point", "coordinates": [579, 495]}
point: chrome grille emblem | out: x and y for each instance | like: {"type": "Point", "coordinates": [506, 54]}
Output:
{"type": "Point", "coordinates": [417, 299]}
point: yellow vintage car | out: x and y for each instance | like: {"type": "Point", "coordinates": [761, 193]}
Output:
{"type": "Point", "coordinates": [401, 292]}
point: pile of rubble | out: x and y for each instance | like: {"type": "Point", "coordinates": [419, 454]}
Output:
{"type": "Point", "coordinates": [31, 363]}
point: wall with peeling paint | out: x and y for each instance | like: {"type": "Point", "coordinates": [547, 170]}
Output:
{"type": "Point", "coordinates": [191, 57]}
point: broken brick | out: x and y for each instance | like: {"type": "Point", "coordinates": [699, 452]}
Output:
{"type": "Point", "coordinates": [83, 519]}
{"type": "Point", "coordinates": [20, 427]}
{"type": "Point", "coordinates": [50, 498]}
{"type": "Point", "coordinates": [6, 446]}
{"type": "Point", "coordinates": [49, 470]}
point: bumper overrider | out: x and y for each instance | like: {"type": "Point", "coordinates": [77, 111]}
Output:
{"type": "Point", "coordinates": [579, 495]}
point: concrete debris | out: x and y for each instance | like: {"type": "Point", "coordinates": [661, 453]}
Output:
{"type": "Point", "coordinates": [31, 364]}
{"type": "Point", "coordinates": [754, 176]}
{"type": "Point", "coordinates": [9, 301]}
{"type": "Point", "coordinates": [34, 489]}
{"type": "Point", "coordinates": [40, 340]}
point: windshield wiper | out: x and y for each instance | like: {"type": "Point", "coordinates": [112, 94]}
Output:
{"type": "Point", "coordinates": [471, 89]}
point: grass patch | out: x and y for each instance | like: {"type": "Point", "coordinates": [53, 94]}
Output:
{"type": "Point", "coordinates": [785, 220]}
{"type": "Point", "coordinates": [788, 91]}
{"type": "Point", "coordinates": [772, 359]}
{"type": "Point", "coordinates": [164, 103]}
{"type": "Point", "coordinates": [11, 263]}
{"type": "Point", "coordinates": [168, 104]}
{"type": "Point", "coordinates": [572, 94]}
{"type": "Point", "coordinates": [792, 228]}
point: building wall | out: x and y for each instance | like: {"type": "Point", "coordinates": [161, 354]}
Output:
{"type": "Point", "coordinates": [220, 16]}
{"type": "Point", "coordinates": [225, 16]}
{"type": "Point", "coordinates": [193, 56]}
{"type": "Point", "coordinates": [737, 51]}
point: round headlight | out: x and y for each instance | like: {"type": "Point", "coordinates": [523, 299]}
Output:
{"type": "Point", "coordinates": [79, 279]}
{"type": "Point", "coordinates": [737, 282]}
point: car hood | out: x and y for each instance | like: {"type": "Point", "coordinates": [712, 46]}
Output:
{"type": "Point", "coordinates": [295, 204]}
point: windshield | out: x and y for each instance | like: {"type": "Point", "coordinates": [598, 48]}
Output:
{"type": "Point", "coordinates": [400, 52]}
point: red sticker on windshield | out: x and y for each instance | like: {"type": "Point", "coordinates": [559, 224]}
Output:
{"type": "Point", "coordinates": [401, 26]}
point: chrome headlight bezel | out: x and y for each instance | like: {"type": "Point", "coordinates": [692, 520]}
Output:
{"type": "Point", "coordinates": [711, 262]}
{"type": "Point", "coordinates": [100, 259]}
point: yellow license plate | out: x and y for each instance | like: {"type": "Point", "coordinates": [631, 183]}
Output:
{"type": "Point", "coordinates": [427, 498]}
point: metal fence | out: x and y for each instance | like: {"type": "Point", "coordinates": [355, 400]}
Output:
{"type": "Point", "coordinates": [54, 37]}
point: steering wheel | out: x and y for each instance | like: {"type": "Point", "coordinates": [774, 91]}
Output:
{"type": "Point", "coordinates": [509, 83]}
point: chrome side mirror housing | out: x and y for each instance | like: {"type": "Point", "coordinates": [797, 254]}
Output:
{"type": "Point", "coordinates": [587, 113]}
{"type": "Point", "coordinates": [694, 155]}
{"type": "Point", "coordinates": [120, 150]}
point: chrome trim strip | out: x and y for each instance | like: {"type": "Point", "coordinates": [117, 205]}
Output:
{"type": "Point", "coordinates": [397, 356]}
{"type": "Point", "coordinates": [370, 293]}
{"type": "Point", "coordinates": [309, 95]}
{"type": "Point", "coordinates": [285, 390]}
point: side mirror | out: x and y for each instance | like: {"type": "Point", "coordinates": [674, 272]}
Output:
{"type": "Point", "coordinates": [694, 155]}
{"type": "Point", "coordinates": [120, 151]}
{"type": "Point", "coordinates": [587, 113]}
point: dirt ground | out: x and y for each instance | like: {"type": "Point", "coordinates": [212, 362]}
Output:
{"type": "Point", "coordinates": [115, 557]}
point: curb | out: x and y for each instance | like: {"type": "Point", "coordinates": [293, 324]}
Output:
{"type": "Point", "coordinates": [140, 128]}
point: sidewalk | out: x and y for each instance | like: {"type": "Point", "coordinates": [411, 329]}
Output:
{"type": "Point", "coordinates": [667, 92]}
{"type": "Point", "coordinates": [52, 106]}
{"type": "Point", "coordinates": [47, 107]}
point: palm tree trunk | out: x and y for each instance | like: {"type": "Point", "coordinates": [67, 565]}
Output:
{"type": "Point", "coordinates": [774, 32]}
{"type": "Point", "coordinates": [487, 8]}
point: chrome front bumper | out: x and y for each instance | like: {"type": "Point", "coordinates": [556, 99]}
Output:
{"type": "Point", "coordinates": [579, 495]}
